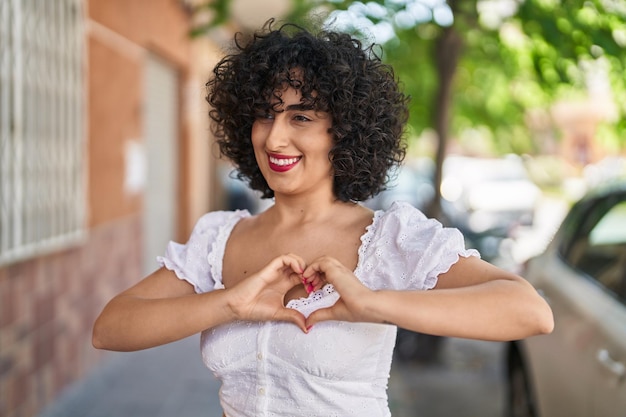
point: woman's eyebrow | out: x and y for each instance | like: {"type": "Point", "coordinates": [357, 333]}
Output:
{"type": "Point", "coordinates": [300, 106]}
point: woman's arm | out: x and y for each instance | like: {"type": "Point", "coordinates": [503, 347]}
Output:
{"type": "Point", "coordinates": [158, 310]}
{"type": "Point", "coordinates": [162, 308]}
{"type": "Point", "coordinates": [474, 299]}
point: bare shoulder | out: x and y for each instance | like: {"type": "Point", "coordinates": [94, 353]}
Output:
{"type": "Point", "coordinates": [247, 230]}
{"type": "Point", "coordinates": [362, 215]}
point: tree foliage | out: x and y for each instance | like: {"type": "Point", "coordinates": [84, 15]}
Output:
{"type": "Point", "coordinates": [517, 55]}
{"type": "Point", "coordinates": [482, 65]}
{"type": "Point", "coordinates": [568, 43]}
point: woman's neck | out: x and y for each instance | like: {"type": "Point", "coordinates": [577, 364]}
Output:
{"type": "Point", "coordinates": [309, 209]}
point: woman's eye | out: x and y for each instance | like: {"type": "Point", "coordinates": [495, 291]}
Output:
{"type": "Point", "coordinates": [301, 118]}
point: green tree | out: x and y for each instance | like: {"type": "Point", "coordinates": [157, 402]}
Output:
{"type": "Point", "coordinates": [482, 64]}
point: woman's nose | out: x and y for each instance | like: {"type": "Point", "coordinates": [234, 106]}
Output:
{"type": "Point", "coordinates": [278, 134]}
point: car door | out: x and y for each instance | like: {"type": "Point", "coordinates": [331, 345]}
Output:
{"type": "Point", "coordinates": [603, 259]}
{"type": "Point", "coordinates": [574, 369]}
{"type": "Point", "coordinates": [560, 363]}
{"type": "Point", "coordinates": [609, 376]}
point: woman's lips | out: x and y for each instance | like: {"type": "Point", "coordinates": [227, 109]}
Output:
{"type": "Point", "coordinates": [280, 163]}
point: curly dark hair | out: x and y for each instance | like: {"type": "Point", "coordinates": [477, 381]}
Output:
{"type": "Point", "coordinates": [335, 74]}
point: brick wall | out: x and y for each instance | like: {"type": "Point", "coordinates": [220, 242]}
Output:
{"type": "Point", "coordinates": [47, 309]}
{"type": "Point", "coordinates": [48, 304]}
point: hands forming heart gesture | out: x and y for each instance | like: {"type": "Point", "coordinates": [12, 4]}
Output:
{"type": "Point", "coordinates": [261, 296]}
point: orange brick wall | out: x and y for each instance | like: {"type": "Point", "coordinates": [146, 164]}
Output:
{"type": "Point", "coordinates": [47, 309]}
{"type": "Point", "coordinates": [115, 106]}
{"type": "Point", "coordinates": [48, 304]}
{"type": "Point", "coordinates": [120, 35]}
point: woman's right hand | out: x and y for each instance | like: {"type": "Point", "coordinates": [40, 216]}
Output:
{"type": "Point", "coordinates": [261, 296]}
{"type": "Point", "coordinates": [162, 308]}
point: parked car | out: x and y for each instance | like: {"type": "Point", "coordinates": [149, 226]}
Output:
{"type": "Point", "coordinates": [411, 182]}
{"type": "Point", "coordinates": [488, 194]}
{"type": "Point", "coordinates": [580, 369]}
{"type": "Point", "coordinates": [487, 197]}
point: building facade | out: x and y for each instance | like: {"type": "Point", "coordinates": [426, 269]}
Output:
{"type": "Point", "coordinates": [104, 156]}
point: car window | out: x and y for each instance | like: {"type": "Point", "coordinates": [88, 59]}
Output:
{"type": "Point", "coordinates": [611, 229]}
{"type": "Point", "coordinates": [599, 249]}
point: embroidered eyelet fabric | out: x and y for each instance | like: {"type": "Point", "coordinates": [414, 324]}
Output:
{"type": "Point", "coordinates": [338, 368]}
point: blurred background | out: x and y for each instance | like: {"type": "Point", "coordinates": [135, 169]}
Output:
{"type": "Point", "coordinates": [517, 112]}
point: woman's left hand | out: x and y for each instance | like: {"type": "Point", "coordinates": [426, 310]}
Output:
{"type": "Point", "coordinates": [354, 296]}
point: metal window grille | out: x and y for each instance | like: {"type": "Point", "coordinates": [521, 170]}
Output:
{"type": "Point", "coordinates": [42, 193]}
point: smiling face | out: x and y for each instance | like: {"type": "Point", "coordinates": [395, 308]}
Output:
{"type": "Point", "coordinates": [291, 144]}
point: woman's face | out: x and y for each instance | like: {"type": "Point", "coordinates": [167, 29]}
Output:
{"type": "Point", "coordinates": [291, 145]}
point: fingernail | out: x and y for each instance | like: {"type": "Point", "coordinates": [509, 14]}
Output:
{"type": "Point", "coordinates": [309, 328]}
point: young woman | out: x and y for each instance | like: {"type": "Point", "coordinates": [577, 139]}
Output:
{"type": "Point", "coordinates": [298, 306]}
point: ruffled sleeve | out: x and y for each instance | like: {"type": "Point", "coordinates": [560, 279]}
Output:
{"type": "Point", "coordinates": [195, 260]}
{"type": "Point", "coordinates": [405, 250]}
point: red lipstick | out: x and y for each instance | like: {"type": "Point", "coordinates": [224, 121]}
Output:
{"type": "Point", "coordinates": [282, 163]}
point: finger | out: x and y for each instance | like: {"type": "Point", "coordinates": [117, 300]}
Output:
{"type": "Point", "coordinates": [323, 267]}
{"type": "Point", "coordinates": [308, 287]}
{"type": "Point", "coordinates": [292, 316]}
{"type": "Point", "coordinates": [314, 282]}
{"type": "Point", "coordinates": [285, 261]}
{"type": "Point", "coordinates": [315, 267]}
{"type": "Point", "coordinates": [285, 265]}
{"type": "Point", "coordinates": [296, 263]}
{"type": "Point", "coordinates": [323, 314]}
{"type": "Point", "coordinates": [315, 286]}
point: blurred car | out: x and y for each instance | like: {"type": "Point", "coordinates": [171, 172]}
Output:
{"type": "Point", "coordinates": [237, 194]}
{"type": "Point", "coordinates": [579, 370]}
{"type": "Point", "coordinates": [487, 198]}
{"type": "Point", "coordinates": [487, 195]}
{"type": "Point", "coordinates": [411, 182]}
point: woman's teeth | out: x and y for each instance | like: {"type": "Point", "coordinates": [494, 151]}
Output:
{"type": "Point", "coordinates": [282, 161]}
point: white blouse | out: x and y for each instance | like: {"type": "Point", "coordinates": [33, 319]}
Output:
{"type": "Point", "coordinates": [338, 368]}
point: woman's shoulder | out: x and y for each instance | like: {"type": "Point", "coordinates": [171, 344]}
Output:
{"type": "Point", "coordinates": [410, 249]}
{"type": "Point", "coordinates": [403, 221]}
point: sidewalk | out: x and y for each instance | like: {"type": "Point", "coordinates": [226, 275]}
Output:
{"type": "Point", "coordinates": [172, 381]}
{"type": "Point", "coordinates": [167, 381]}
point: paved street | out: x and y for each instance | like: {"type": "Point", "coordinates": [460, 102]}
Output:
{"type": "Point", "coordinates": [171, 381]}
{"type": "Point", "coordinates": [467, 382]}
{"type": "Point", "coordinates": [168, 381]}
